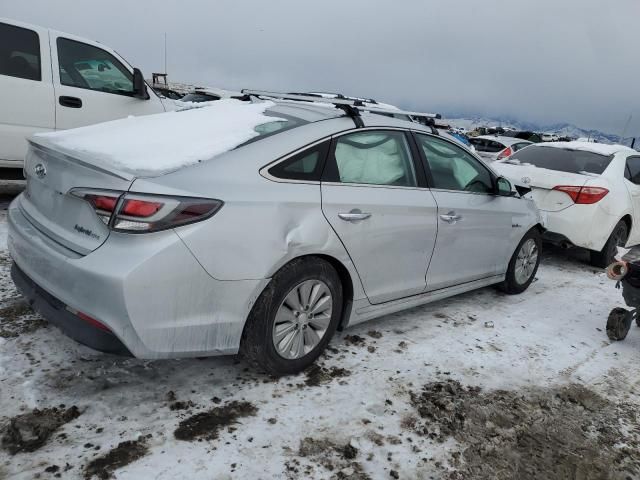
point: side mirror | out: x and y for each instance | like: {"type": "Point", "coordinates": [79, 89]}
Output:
{"type": "Point", "coordinates": [139, 85]}
{"type": "Point", "coordinates": [504, 187]}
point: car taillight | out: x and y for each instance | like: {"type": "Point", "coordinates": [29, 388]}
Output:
{"type": "Point", "coordinates": [583, 195]}
{"type": "Point", "coordinates": [104, 204]}
{"type": "Point", "coordinates": [507, 152]}
{"type": "Point", "coordinates": [140, 213]}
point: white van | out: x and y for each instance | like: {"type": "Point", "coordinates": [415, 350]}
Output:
{"type": "Point", "coordinates": [51, 81]}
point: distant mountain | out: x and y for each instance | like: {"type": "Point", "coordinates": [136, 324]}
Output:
{"type": "Point", "coordinates": [562, 129]}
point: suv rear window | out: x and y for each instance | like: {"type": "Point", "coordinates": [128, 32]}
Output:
{"type": "Point", "coordinates": [564, 160]}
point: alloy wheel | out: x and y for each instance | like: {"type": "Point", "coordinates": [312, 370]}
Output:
{"type": "Point", "coordinates": [526, 261]}
{"type": "Point", "coordinates": [302, 319]}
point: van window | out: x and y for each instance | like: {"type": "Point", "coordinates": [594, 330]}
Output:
{"type": "Point", "coordinates": [19, 53]}
{"type": "Point", "coordinates": [86, 66]}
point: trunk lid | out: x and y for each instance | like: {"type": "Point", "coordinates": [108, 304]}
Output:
{"type": "Point", "coordinates": [541, 181]}
{"type": "Point", "coordinates": [70, 221]}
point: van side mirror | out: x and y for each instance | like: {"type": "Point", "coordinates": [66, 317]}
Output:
{"type": "Point", "coordinates": [504, 187]}
{"type": "Point", "coordinates": [139, 85]}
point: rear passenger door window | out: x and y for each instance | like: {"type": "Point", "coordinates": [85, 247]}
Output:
{"type": "Point", "coordinates": [452, 168]}
{"type": "Point", "coordinates": [19, 53]}
{"type": "Point", "coordinates": [380, 157]}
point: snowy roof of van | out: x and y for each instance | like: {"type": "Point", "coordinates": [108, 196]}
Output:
{"type": "Point", "coordinates": [599, 148]}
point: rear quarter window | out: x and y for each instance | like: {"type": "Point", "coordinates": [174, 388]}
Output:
{"type": "Point", "coordinates": [304, 166]}
{"type": "Point", "coordinates": [19, 53]}
{"type": "Point", "coordinates": [564, 160]}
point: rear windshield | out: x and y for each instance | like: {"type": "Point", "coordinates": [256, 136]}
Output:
{"type": "Point", "coordinates": [486, 145]}
{"type": "Point", "coordinates": [564, 160]}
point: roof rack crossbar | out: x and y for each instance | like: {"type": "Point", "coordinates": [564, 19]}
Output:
{"type": "Point", "coordinates": [357, 104]}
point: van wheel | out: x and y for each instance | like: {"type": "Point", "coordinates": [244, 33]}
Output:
{"type": "Point", "coordinates": [618, 238]}
{"type": "Point", "coordinates": [523, 264]}
{"type": "Point", "coordinates": [294, 318]}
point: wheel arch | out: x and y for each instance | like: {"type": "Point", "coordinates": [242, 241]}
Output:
{"type": "Point", "coordinates": [346, 280]}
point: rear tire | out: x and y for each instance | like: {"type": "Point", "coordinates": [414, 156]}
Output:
{"type": "Point", "coordinates": [265, 324]}
{"type": "Point", "coordinates": [618, 238]}
{"type": "Point", "coordinates": [523, 265]}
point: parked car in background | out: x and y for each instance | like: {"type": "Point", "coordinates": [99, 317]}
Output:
{"type": "Point", "coordinates": [459, 130]}
{"type": "Point", "coordinates": [167, 92]}
{"type": "Point", "coordinates": [458, 137]}
{"type": "Point", "coordinates": [209, 94]}
{"type": "Point", "coordinates": [549, 137]}
{"type": "Point", "coordinates": [523, 135]}
{"type": "Point", "coordinates": [494, 148]}
{"type": "Point", "coordinates": [261, 228]}
{"type": "Point", "coordinates": [589, 193]}
{"type": "Point", "coordinates": [52, 81]}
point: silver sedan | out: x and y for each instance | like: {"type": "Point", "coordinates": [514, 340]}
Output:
{"type": "Point", "coordinates": [321, 221]}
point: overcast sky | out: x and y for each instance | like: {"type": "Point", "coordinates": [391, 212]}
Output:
{"type": "Point", "coordinates": [543, 61]}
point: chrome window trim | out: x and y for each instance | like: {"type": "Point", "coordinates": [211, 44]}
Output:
{"type": "Point", "coordinates": [373, 185]}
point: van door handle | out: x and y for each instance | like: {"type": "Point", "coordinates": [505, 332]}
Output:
{"type": "Point", "coordinates": [451, 218]}
{"type": "Point", "coordinates": [71, 102]}
{"type": "Point", "coordinates": [354, 215]}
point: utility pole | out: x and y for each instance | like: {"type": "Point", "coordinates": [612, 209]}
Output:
{"type": "Point", "coordinates": [626, 125]}
{"type": "Point", "coordinates": [165, 52]}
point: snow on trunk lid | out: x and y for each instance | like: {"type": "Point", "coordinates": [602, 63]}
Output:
{"type": "Point", "coordinates": [152, 145]}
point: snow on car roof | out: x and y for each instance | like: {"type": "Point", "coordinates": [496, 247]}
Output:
{"type": "Point", "coordinates": [165, 141]}
{"type": "Point", "coordinates": [600, 148]}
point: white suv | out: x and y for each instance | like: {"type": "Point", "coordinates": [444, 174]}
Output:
{"type": "Point", "coordinates": [589, 192]}
{"type": "Point", "coordinates": [52, 81]}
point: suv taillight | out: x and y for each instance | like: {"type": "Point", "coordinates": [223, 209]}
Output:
{"type": "Point", "coordinates": [141, 213]}
{"type": "Point", "coordinates": [583, 195]}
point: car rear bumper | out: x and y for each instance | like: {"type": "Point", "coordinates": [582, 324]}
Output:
{"type": "Point", "coordinates": [586, 226]}
{"type": "Point", "coordinates": [57, 313]}
{"type": "Point", "coordinates": [149, 290]}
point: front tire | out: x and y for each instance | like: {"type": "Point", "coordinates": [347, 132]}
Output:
{"type": "Point", "coordinates": [618, 238]}
{"type": "Point", "coordinates": [294, 318]}
{"type": "Point", "coordinates": [523, 265]}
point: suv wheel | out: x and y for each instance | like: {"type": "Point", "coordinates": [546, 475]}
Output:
{"type": "Point", "coordinates": [294, 318]}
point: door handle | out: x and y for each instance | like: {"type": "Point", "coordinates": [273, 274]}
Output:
{"type": "Point", "coordinates": [451, 218]}
{"type": "Point", "coordinates": [354, 215]}
{"type": "Point", "coordinates": [71, 102]}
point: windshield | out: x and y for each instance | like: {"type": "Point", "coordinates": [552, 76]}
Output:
{"type": "Point", "coordinates": [563, 160]}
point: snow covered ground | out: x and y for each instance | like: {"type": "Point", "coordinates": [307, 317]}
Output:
{"type": "Point", "coordinates": [384, 402]}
